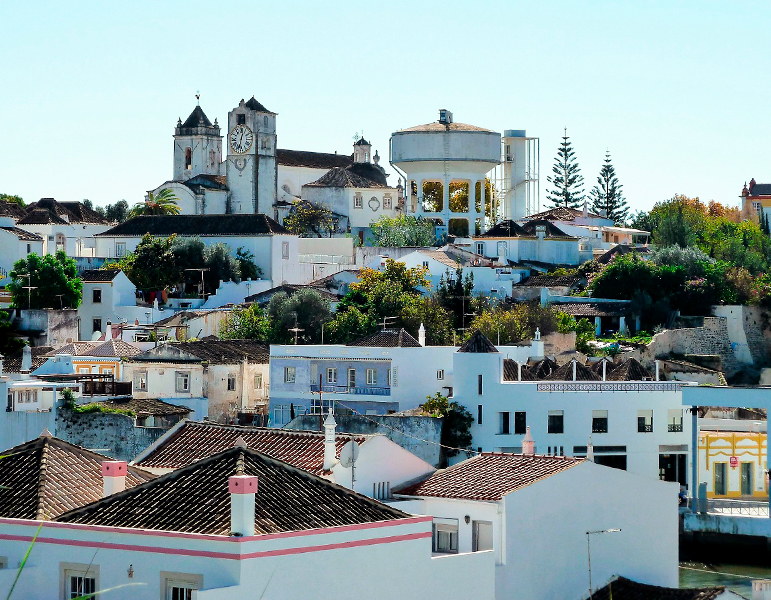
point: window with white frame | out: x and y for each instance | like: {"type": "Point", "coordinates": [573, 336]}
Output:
{"type": "Point", "coordinates": [282, 414]}
{"type": "Point", "coordinates": [231, 383]}
{"type": "Point", "coordinates": [285, 250]}
{"type": "Point", "coordinates": [371, 376]}
{"type": "Point", "coordinates": [77, 580]}
{"type": "Point", "coordinates": [387, 201]}
{"type": "Point", "coordinates": [120, 249]}
{"type": "Point", "coordinates": [140, 381]}
{"type": "Point", "coordinates": [182, 382]}
{"type": "Point", "coordinates": [358, 201]}
{"type": "Point", "coordinates": [757, 206]}
{"type": "Point", "coordinates": [332, 375]}
{"type": "Point", "coordinates": [179, 586]}
{"type": "Point", "coordinates": [440, 374]}
{"type": "Point", "coordinates": [290, 374]}
{"type": "Point", "coordinates": [258, 381]}
{"type": "Point", "coordinates": [445, 536]}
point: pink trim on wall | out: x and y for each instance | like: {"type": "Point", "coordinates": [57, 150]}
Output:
{"type": "Point", "coordinates": [221, 538]}
{"type": "Point", "coordinates": [223, 555]}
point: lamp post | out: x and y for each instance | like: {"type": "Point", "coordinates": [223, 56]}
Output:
{"type": "Point", "coordinates": [589, 552]}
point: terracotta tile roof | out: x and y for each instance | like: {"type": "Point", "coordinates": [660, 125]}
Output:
{"type": "Point", "coordinates": [550, 281]}
{"type": "Point", "coordinates": [550, 230]}
{"type": "Point", "coordinates": [45, 477]}
{"type": "Point", "coordinates": [629, 370]}
{"type": "Point", "coordinates": [98, 275]}
{"type": "Point", "coordinates": [593, 309]}
{"type": "Point", "coordinates": [511, 371]}
{"type": "Point", "coordinates": [442, 256]}
{"type": "Point", "coordinates": [198, 225]}
{"type": "Point", "coordinates": [264, 297]}
{"type": "Point", "coordinates": [61, 212]}
{"type": "Point", "coordinates": [543, 368]}
{"type": "Point", "coordinates": [620, 250]}
{"type": "Point", "coordinates": [114, 349]}
{"type": "Point", "coordinates": [312, 160]}
{"type": "Point", "coordinates": [26, 236]}
{"type": "Point", "coordinates": [388, 338]}
{"type": "Point", "coordinates": [12, 363]}
{"type": "Point", "coordinates": [488, 476]}
{"type": "Point", "coordinates": [436, 126]}
{"type": "Point", "coordinates": [345, 178]}
{"type": "Point", "coordinates": [74, 349]}
{"type": "Point", "coordinates": [212, 350]}
{"type": "Point", "coordinates": [196, 499]}
{"type": "Point", "coordinates": [478, 343]}
{"type": "Point", "coordinates": [560, 213]}
{"type": "Point", "coordinates": [40, 216]}
{"type": "Point", "coordinates": [565, 373]}
{"type": "Point", "coordinates": [145, 407]}
{"type": "Point", "coordinates": [11, 209]}
{"type": "Point", "coordinates": [626, 589]}
{"type": "Point", "coordinates": [194, 441]}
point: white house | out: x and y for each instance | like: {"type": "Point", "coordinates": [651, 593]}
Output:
{"type": "Point", "coordinates": [219, 379]}
{"type": "Point", "coordinates": [15, 244]}
{"type": "Point", "coordinates": [381, 464]}
{"type": "Point", "coordinates": [238, 523]}
{"type": "Point", "coordinates": [108, 297]}
{"type": "Point", "coordinates": [534, 512]}
{"type": "Point", "coordinates": [632, 424]}
{"type": "Point", "coordinates": [537, 242]}
{"type": "Point", "coordinates": [67, 226]}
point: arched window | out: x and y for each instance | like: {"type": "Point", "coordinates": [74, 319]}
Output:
{"type": "Point", "coordinates": [265, 121]}
{"type": "Point", "coordinates": [61, 242]}
{"type": "Point", "coordinates": [188, 158]}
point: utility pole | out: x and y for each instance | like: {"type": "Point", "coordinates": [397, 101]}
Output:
{"type": "Point", "coordinates": [589, 553]}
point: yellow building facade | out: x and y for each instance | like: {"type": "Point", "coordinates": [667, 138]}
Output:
{"type": "Point", "coordinates": [733, 464]}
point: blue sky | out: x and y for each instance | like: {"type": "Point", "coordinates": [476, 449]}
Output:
{"type": "Point", "coordinates": [677, 90]}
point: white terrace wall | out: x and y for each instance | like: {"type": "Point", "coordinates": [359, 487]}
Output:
{"type": "Point", "coordinates": [18, 427]}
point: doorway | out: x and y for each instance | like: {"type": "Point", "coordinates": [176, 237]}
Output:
{"type": "Point", "coordinates": [672, 468]}
{"type": "Point", "coordinates": [721, 481]}
{"type": "Point", "coordinates": [483, 536]}
{"type": "Point", "coordinates": [746, 478]}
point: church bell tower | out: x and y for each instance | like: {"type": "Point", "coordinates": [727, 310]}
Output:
{"type": "Point", "coordinates": [197, 146]}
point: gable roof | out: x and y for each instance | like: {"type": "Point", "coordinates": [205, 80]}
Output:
{"type": "Point", "coordinates": [74, 349]}
{"type": "Point", "coordinates": [478, 343]}
{"type": "Point", "coordinates": [506, 228]}
{"type": "Point", "coordinates": [12, 363]}
{"type": "Point", "coordinates": [565, 373]}
{"type": "Point", "coordinates": [114, 348]}
{"type": "Point", "coordinates": [511, 371]}
{"type": "Point", "coordinates": [11, 209]}
{"type": "Point", "coordinates": [388, 338]}
{"type": "Point", "coordinates": [551, 230]}
{"type": "Point", "coordinates": [312, 160]}
{"type": "Point", "coordinates": [145, 407]}
{"type": "Point", "coordinates": [344, 178]}
{"type": "Point", "coordinates": [369, 171]}
{"type": "Point", "coordinates": [23, 234]}
{"type": "Point", "coordinates": [194, 440]}
{"type": "Point", "coordinates": [543, 368]}
{"type": "Point", "coordinates": [441, 256]}
{"type": "Point", "coordinates": [196, 225]}
{"type": "Point", "coordinates": [561, 213]}
{"type": "Point", "coordinates": [196, 499]}
{"type": "Point", "coordinates": [214, 351]}
{"type": "Point", "coordinates": [45, 477]}
{"type": "Point", "coordinates": [98, 275]}
{"type": "Point", "coordinates": [626, 589]}
{"type": "Point", "coordinates": [488, 476]}
{"type": "Point", "coordinates": [61, 212]}
{"type": "Point", "coordinates": [619, 250]}
{"type": "Point", "coordinates": [629, 370]}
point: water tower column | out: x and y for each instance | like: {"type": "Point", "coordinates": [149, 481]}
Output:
{"type": "Point", "coordinates": [481, 204]}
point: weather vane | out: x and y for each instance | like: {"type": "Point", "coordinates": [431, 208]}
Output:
{"type": "Point", "coordinates": [198, 97]}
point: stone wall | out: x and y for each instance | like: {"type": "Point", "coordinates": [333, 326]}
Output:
{"type": "Point", "coordinates": [746, 333]}
{"type": "Point", "coordinates": [556, 343]}
{"type": "Point", "coordinates": [47, 327]}
{"type": "Point", "coordinates": [419, 435]}
{"type": "Point", "coordinates": [108, 433]}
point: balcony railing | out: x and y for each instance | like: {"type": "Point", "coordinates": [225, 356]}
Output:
{"type": "Point", "coordinates": [747, 508]}
{"type": "Point", "coordinates": [106, 388]}
{"type": "Point", "coordinates": [676, 427]}
{"type": "Point", "coordinates": [610, 386]}
{"type": "Point", "coordinates": [344, 389]}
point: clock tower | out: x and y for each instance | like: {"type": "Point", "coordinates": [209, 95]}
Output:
{"type": "Point", "coordinates": [251, 160]}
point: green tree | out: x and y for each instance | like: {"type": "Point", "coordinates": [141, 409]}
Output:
{"type": "Point", "coordinates": [584, 329]}
{"type": "Point", "coordinates": [307, 219]}
{"type": "Point", "coordinates": [10, 343]}
{"type": "Point", "coordinates": [117, 212]}
{"type": "Point", "coordinates": [607, 196]}
{"type": "Point", "coordinates": [249, 269]}
{"type": "Point", "coordinates": [305, 310]}
{"type": "Point", "coordinates": [404, 230]}
{"type": "Point", "coordinates": [249, 323]}
{"type": "Point", "coordinates": [456, 425]}
{"type": "Point", "coordinates": [512, 325]}
{"type": "Point", "coordinates": [164, 203]}
{"type": "Point", "coordinates": [12, 198]}
{"type": "Point", "coordinates": [566, 178]}
{"type": "Point", "coordinates": [54, 279]}
{"type": "Point", "coordinates": [455, 294]}
{"type": "Point", "coordinates": [435, 318]}
{"type": "Point", "coordinates": [153, 265]}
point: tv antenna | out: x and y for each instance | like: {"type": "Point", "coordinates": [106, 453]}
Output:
{"type": "Point", "coordinates": [348, 457]}
{"type": "Point", "coordinates": [295, 329]}
{"type": "Point", "coordinates": [386, 321]}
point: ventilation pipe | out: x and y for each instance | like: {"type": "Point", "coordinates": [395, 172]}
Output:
{"type": "Point", "coordinates": [26, 360]}
{"type": "Point", "coordinates": [243, 489]}
{"type": "Point", "coordinates": [604, 367]}
{"type": "Point", "coordinates": [422, 335]}
{"type": "Point", "coordinates": [574, 369]}
{"type": "Point", "coordinates": [113, 476]}
{"type": "Point", "coordinates": [528, 444]}
{"type": "Point", "coordinates": [657, 370]}
{"type": "Point", "coordinates": [330, 451]}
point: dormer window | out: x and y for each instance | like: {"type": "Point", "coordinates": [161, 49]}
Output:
{"type": "Point", "coordinates": [240, 119]}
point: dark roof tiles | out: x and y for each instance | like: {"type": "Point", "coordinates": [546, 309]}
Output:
{"type": "Point", "coordinates": [565, 373]}
{"type": "Point", "coordinates": [344, 178]}
{"type": "Point", "coordinates": [388, 338]}
{"type": "Point", "coordinates": [22, 234]}
{"type": "Point", "coordinates": [12, 364]}
{"type": "Point", "coordinates": [312, 160]}
{"type": "Point", "coordinates": [593, 309]}
{"type": "Point", "coordinates": [511, 371]}
{"type": "Point", "coordinates": [626, 589]}
{"type": "Point", "coordinates": [214, 351]}
{"type": "Point", "coordinates": [478, 343]}
{"type": "Point", "coordinates": [197, 225]}
{"type": "Point", "coordinates": [61, 212]}
{"type": "Point", "coordinates": [99, 275]}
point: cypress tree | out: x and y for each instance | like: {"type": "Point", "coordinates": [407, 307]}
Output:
{"type": "Point", "coordinates": [607, 195]}
{"type": "Point", "coordinates": [566, 179]}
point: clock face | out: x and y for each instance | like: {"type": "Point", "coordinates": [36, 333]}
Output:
{"type": "Point", "coordinates": [241, 138]}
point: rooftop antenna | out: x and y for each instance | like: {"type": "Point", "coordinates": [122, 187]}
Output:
{"type": "Point", "coordinates": [295, 329]}
{"type": "Point", "coordinates": [386, 321]}
{"type": "Point", "coordinates": [348, 457]}
{"type": "Point", "coordinates": [203, 283]}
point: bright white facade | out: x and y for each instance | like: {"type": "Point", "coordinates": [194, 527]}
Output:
{"type": "Point", "coordinates": [108, 297]}
{"type": "Point", "coordinates": [15, 244]}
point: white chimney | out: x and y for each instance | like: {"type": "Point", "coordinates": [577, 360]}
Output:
{"type": "Point", "coordinates": [528, 444]}
{"type": "Point", "coordinates": [604, 367]}
{"type": "Point", "coordinates": [657, 370]}
{"type": "Point", "coordinates": [108, 331]}
{"type": "Point", "coordinates": [590, 450]}
{"type": "Point", "coordinates": [586, 210]}
{"type": "Point", "coordinates": [330, 451]}
{"type": "Point", "coordinates": [574, 369]}
{"type": "Point", "coordinates": [422, 335]}
{"type": "Point", "coordinates": [242, 491]}
{"type": "Point", "coordinates": [114, 476]}
{"type": "Point", "coordinates": [761, 589]}
{"type": "Point", "coordinates": [519, 371]}
{"type": "Point", "coordinates": [26, 359]}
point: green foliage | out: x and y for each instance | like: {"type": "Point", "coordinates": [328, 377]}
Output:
{"type": "Point", "coordinates": [455, 294]}
{"type": "Point", "coordinates": [249, 269]}
{"type": "Point", "coordinates": [566, 177]}
{"type": "Point", "coordinates": [246, 324]}
{"type": "Point", "coordinates": [116, 213]}
{"type": "Point", "coordinates": [456, 427]}
{"type": "Point", "coordinates": [512, 325]}
{"type": "Point", "coordinates": [692, 259]}
{"type": "Point", "coordinates": [436, 319]}
{"type": "Point", "coordinates": [584, 329]}
{"type": "Point", "coordinates": [152, 266]}
{"type": "Point", "coordinates": [305, 310]}
{"type": "Point", "coordinates": [12, 198]}
{"type": "Point", "coordinates": [349, 324]}
{"type": "Point", "coordinates": [165, 203]}
{"type": "Point", "coordinates": [607, 196]}
{"type": "Point", "coordinates": [68, 398]}
{"type": "Point", "coordinates": [307, 219]}
{"type": "Point", "coordinates": [222, 265]}
{"type": "Point", "coordinates": [403, 231]}
{"type": "Point", "coordinates": [436, 405]}
{"type": "Point", "coordinates": [98, 408]}
{"type": "Point", "coordinates": [54, 277]}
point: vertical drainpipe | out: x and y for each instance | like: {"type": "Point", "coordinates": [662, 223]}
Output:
{"type": "Point", "coordinates": [694, 456]}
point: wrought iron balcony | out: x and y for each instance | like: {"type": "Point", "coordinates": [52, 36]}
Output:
{"type": "Point", "coordinates": [677, 427]}
{"type": "Point", "coordinates": [344, 389]}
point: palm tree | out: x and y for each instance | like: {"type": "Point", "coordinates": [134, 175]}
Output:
{"type": "Point", "coordinates": [165, 203]}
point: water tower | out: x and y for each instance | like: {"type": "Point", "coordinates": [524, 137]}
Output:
{"type": "Point", "coordinates": [445, 164]}
{"type": "Point", "coordinates": [517, 177]}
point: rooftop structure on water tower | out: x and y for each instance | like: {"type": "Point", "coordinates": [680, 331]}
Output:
{"type": "Point", "coordinates": [516, 179]}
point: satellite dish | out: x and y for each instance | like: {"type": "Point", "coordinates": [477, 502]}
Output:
{"type": "Point", "coordinates": [349, 454]}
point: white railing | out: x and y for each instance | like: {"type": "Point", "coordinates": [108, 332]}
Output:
{"type": "Point", "coordinates": [335, 259]}
{"type": "Point", "coordinates": [610, 386]}
{"type": "Point", "coordinates": [747, 508]}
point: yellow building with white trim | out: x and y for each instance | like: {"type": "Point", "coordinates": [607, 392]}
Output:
{"type": "Point", "coordinates": [733, 463]}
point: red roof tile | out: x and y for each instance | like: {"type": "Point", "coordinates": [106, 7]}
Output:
{"type": "Point", "coordinates": [488, 476]}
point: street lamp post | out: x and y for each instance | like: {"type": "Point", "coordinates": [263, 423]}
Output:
{"type": "Point", "coordinates": [589, 552]}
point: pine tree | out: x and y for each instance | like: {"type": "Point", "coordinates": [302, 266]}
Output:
{"type": "Point", "coordinates": [567, 179]}
{"type": "Point", "coordinates": [607, 195]}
